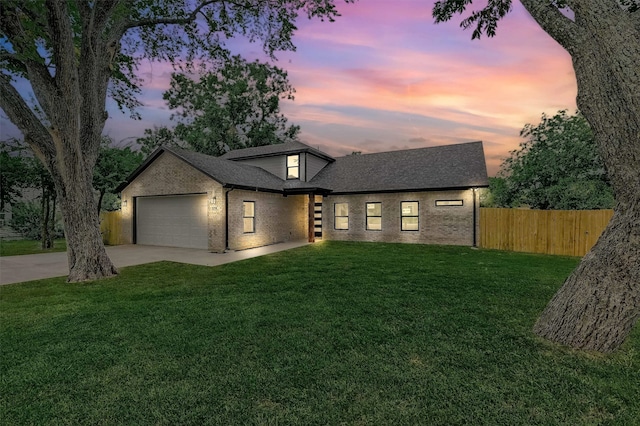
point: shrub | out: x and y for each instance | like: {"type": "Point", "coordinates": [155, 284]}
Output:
{"type": "Point", "coordinates": [27, 220]}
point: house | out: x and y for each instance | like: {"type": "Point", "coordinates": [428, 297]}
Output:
{"type": "Point", "coordinates": [263, 195]}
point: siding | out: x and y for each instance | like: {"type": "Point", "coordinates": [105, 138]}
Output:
{"type": "Point", "coordinates": [314, 165]}
{"type": "Point", "coordinates": [275, 165]}
{"type": "Point", "coordinates": [437, 225]}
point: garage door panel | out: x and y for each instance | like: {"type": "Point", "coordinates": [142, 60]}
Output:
{"type": "Point", "coordinates": [174, 221]}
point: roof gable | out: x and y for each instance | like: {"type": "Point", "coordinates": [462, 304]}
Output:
{"type": "Point", "coordinates": [227, 173]}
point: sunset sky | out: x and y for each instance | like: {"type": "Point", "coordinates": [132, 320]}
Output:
{"type": "Point", "coordinates": [385, 77]}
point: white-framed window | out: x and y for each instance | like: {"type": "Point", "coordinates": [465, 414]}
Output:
{"type": "Point", "coordinates": [409, 216]}
{"type": "Point", "coordinates": [341, 216]}
{"type": "Point", "coordinates": [374, 216]}
{"type": "Point", "coordinates": [293, 166]}
{"type": "Point", "coordinates": [249, 217]}
{"type": "Point", "coordinates": [448, 203]}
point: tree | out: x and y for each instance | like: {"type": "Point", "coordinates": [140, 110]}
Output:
{"type": "Point", "coordinates": [37, 176]}
{"type": "Point", "coordinates": [20, 170]}
{"type": "Point", "coordinates": [156, 137]}
{"type": "Point", "coordinates": [75, 53]}
{"type": "Point", "coordinates": [234, 106]}
{"type": "Point", "coordinates": [12, 171]}
{"type": "Point", "coordinates": [599, 303]}
{"type": "Point", "coordinates": [114, 165]}
{"type": "Point", "coordinates": [496, 195]}
{"type": "Point", "coordinates": [556, 167]}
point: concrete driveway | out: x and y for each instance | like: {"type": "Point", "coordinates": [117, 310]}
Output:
{"type": "Point", "coordinates": [15, 269]}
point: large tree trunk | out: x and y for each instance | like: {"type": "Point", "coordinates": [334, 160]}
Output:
{"type": "Point", "coordinates": [72, 173]}
{"type": "Point", "coordinates": [599, 303]}
{"type": "Point", "coordinates": [87, 256]}
{"type": "Point", "coordinates": [597, 306]}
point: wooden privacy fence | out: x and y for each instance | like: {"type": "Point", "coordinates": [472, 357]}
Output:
{"type": "Point", "coordinates": [562, 232]}
{"type": "Point", "coordinates": [111, 227]}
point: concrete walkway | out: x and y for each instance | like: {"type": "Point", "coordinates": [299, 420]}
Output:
{"type": "Point", "coordinates": [15, 269]}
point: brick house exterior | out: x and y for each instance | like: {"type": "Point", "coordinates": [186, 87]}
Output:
{"type": "Point", "coordinates": [264, 195]}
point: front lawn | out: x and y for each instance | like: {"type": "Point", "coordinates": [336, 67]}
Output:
{"type": "Point", "coordinates": [20, 247]}
{"type": "Point", "coordinates": [331, 333]}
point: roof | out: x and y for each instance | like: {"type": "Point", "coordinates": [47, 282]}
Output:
{"type": "Point", "coordinates": [435, 168]}
{"type": "Point", "coordinates": [291, 147]}
{"type": "Point", "coordinates": [227, 173]}
{"type": "Point", "coordinates": [440, 167]}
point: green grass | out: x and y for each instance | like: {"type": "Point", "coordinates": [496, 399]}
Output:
{"type": "Point", "coordinates": [331, 333]}
{"type": "Point", "coordinates": [20, 247]}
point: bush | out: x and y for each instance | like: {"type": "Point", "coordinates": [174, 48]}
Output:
{"type": "Point", "coordinates": [27, 220]}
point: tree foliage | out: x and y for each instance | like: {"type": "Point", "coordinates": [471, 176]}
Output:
{"type": "Point", "coordinates": [76, 53]}
{"type": "Point", "coordinates": [22, 171]}
{"type": "Point", "coordinates": [234, 106]}
{"type": "Point", "coordinates": [12, 174]}
{"type": "Point", "coordinates": [114, 165]}
{"type": "Point", "coordinates": [156, 137]}
{"type": "Point", "coordinates": [557, 166]}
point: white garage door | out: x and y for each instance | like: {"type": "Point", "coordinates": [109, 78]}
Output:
{"type": "Point", "coordinates": [173, 221]}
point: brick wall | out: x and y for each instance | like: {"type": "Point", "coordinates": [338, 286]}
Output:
{"type": "Point", "coordinates": [452, 225]}
{"type": "Point", "coordinates": [277, 219]}
{"type": "Point", "coordinates": [169, 175]}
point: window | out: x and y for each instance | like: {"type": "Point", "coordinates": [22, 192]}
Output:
{"type": "Point", "coordinates": [341, 215]}
{"type": "Point", "coordinates": [249, 216]}
{"type": "Point", "coordinates": [374, 216]}
{"type": "Point", "coordinates": [409, 215]}
{"type": "Point", "coordinates": [293, 166]}
{"type": "Point", "coordinates": [443, 203]}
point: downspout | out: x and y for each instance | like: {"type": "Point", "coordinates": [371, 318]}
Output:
{"type": "Point", "coordinates": [475, 219]}
{"type": "Point", "coordinates": [226, 218]}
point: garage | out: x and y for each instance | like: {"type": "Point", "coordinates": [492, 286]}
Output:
{"type": "Point", "coordinates": [172, 221]}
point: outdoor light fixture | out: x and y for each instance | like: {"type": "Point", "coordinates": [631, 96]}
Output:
{"type": "Point", "coordinates": [124, 203]}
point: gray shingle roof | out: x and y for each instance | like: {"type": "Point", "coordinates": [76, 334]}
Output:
{"type": "Point", "coordinates": [440, 167]}
{"type": "Point", "coordinates": [230, 172]}
{"type": "Point", "coordinates": [223, 171]}
{"type": "Point", "coordinates": [277, 149]}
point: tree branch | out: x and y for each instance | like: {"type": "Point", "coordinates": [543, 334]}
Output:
{"type": "Point", "coordinates": [23, 117]}
{"type": "Point", "coordinates": [13, 60]}
{"type": "Point", "coordinates": [562, 29]}
{"type": "Point", "coordinates": [169, 21]}
{"type": "Point", "coordinates": [64, 49]}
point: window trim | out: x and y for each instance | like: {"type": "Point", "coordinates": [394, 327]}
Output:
{"type": "Point", "coordinates": [336, 216]}
{"type": "Point", "coordinates": [253, 218]}
{"type": "Point", "coordinates": [450, 203]}
{"type": "Point", "coordinates": [292, 167]}
{"type": "Point", "coordinates": [367, 215]}
{"type": "Point", "coordinates": [402, 215]}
